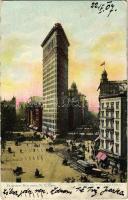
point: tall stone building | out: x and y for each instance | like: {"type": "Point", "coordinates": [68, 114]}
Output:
{"type": "Point", "coordinates": [77, 108]}
{"type": "Point", "coordinates": [55, 80]}
{"type": "Point", "coordinates": [33, 113]}
{"type": "Point", "coordinates": [113, 121]}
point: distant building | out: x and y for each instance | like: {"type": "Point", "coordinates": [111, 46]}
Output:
{"type": "Point", "coordinates": [77, 108]}
{"type": "Point", "coordinates": [20, 117]}
{"type": "Point", "coordinates": [21, 109]}
{"type": "Point", "coordinates": [33, 113]}
{"type": "Point", "coordinates": [8, 115]}
{"type": "Point", "coordinates": [113, 120]}
{"type": "Point", "coordinates": [55, 80]}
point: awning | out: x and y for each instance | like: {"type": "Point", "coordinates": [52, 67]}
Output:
{"type": "Point", "coordinates": [101, 156]}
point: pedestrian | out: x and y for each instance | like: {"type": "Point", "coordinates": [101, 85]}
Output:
{"type": "Point", "coordinates": [112, 169]}
{"type": "Point", "coordinates": [121, 177]}
{"type": "Point", "coordinates": [37, 173]}
{"type": "Point", "coordinates": [116, 170]}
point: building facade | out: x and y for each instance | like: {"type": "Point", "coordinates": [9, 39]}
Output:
{"type": "Point", "coordinates": [8, 116]}
{"type": "Point", "coordinates": [33, 114]}
{"type": "Point", "coordinates": [113, 120]}
{"type": "Point", "coordinates": [77, 109]}
{"type": "Point", "coordinates": [55, 80]}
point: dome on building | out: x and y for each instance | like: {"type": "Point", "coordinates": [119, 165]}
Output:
{"type": "Point", "coordinates": [104, 76]}
{"type": "Point", "coordinates": [73, 86]}
{"type": "Point", "coordinates": [104, 72]}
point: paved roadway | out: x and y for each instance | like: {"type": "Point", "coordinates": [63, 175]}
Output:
{"type": "Point", "coordinates": [49, 164]}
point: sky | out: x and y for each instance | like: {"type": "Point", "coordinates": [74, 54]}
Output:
{"type": "Point", "coordinates": [94, 38]}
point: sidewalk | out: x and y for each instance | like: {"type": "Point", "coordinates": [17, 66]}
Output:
{"type": "Point", "coordinates": [108, 170]}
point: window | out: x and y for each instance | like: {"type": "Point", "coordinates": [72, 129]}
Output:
{"type": "Point", "coordinates": [117, 125]}
{"type": "Point", "coordinates": [102, 133]}
{"type": "Point", "coordinates": [117, 114]}
{"type": "Point", "coordinates": [107, 123]}
{"type": "Point", "coordinates": [117, 148]}
{"type": "Point", "coordinates": [112, 135]}
{"type": "Point", "coordinates": [107, 113]}
{"type": "Point", "coordinates": [102, 144]}
{"type": "Point", "coordinates": [102, 113]}
{"type": "Point", "coordinates": [117, 105]}
{"type": "Point", "coordinates": [102, 123]}
{"type": "Point", "coordinates": [112, 124]}
{"type": "Point", "coordinates": [107, 145]}
{"type": "Point", "coordinates": [117, 136]}
{"type": "Point", "coordinates": [111, 147]}
{"type": "Point", "coordinates": [112, 104]}
{"type": "Point", "coordinates": [107, 104]}
{"type": "Point", "coordinates": [102, 105]}
{"type": "Point", "coordinates": [107, 134]}
{"type": "Point", "coordinates": [112, 114]}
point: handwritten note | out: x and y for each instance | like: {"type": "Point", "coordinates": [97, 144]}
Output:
{"type": "Point", "coordinates": [54, 190]}
{"type": "Point", "coordinates": [107, 6]}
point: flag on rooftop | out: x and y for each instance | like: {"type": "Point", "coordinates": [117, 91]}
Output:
{"type": "Point", "coordinates": [103, 63]}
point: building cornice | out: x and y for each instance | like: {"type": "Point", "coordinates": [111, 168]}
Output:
{"type": "Point", "coordinates": [56, 27]}
{"type": "Point", "coordinates": [112, 95]}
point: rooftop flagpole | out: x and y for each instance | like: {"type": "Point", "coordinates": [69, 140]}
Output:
{"type": "Point", "coordinates": [103, 64]}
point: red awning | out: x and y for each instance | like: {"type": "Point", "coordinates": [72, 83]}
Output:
{"type": "Point", "coordinates": [101, 156]}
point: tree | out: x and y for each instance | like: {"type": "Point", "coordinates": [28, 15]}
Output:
{"type": "Point", "coordinates": [8, 117]}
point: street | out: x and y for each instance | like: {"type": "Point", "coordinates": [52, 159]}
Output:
{"type": "Point", "coordinates": [49, 164]}
{"type": "Point", "coordinates": [32, 155]}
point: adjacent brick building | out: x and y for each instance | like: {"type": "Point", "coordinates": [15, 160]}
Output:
{"type": "Point", "coordinates": [33, 113]}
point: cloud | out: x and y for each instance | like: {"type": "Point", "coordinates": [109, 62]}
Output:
{"type": "Point", "coordinates": [11, 47]}
{"type": "Point", "coordinates": [113, 42]}
{"type": "Point", "coordinates": [110, 48]}
{"type": "Point", "coordinates": [86, 72]}
{"type": "Point", "coordinates": [23, 80]}
{"type": "Point", "coordinates": [91, 42]}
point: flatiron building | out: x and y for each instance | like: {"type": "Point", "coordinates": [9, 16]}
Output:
{"type": "Point", "coordinates": [55, 80]}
